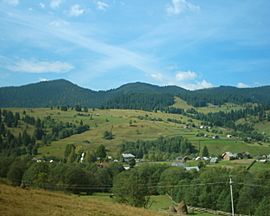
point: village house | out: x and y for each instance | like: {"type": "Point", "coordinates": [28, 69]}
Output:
{"type": "Point", "coordinates": [244, 155]}
{"type": "Point", "coordinates": [178, 164]}
{"type": "Point", "coordinates": [215, 137]}
{"type": "Point", "coordinates": [229, 136]}
{"type": "Point", "coordinates": [229, 156]}
{"type": "Point", "coordinates": [196, 168]}
{"type": "Point", "coordinates": [214, 160]}
{"type": "Point", "coordinates": [127, 157]}
{"type": "Point", "coordinates": [198, 158]}
{"type": "Point", "coordinates": [205, 158]}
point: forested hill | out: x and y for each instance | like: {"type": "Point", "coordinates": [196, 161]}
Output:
{"type": "Point", "coordinates": [49, 93]}
{"type": "Point", "coordinates": [129, 96]}
{"type": "Point", "coordinates": [61, 92]}
{"type": "Point", "coordinates": [228, 94]}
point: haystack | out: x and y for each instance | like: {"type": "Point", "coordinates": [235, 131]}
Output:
{"type": "Point", "coordinates": [172, 209]}
{"type": "Point", "coordinates": [182, 208]}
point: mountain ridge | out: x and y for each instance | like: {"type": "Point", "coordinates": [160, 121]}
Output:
{"type": "Point", "coordinates": [143, 95]}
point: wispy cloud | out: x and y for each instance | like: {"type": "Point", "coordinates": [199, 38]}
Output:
{"type": "Point", "coordinates": [185, 75]}
{"type": "Point", "coordinates": [242, 85]}
{"type": "Point", "coordinates": [102, 5]}
{"type": "Point", "coordinates": [109, 56]}
{"type": "Point", "coordinates": [12, 2]}
{"type": "Point", "coordinates": [157, 76]}
{"type": "Point", "coordinates": [55, 4]}
{"type": "Point", "coordinates": [76, 10]}
{"type": "Point", "coordinates": [180, 6]}
{"type": "Point", "coordinates": [35, 66]}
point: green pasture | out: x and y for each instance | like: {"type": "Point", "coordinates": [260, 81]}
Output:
{"type": "Point", "coordinates": [132, 125]}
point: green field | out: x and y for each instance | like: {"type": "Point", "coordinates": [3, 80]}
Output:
{"type": "Point", "coordinates": [132, 125]}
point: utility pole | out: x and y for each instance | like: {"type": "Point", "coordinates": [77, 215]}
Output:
{"type": "Point", "coordinates": [231, 182]}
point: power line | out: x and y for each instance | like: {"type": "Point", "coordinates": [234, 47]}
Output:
{"type": "Point", "coordinates": [254, 185]}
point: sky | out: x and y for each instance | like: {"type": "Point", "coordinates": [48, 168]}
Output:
{"type": "Point", "coordinates": [102, 44]}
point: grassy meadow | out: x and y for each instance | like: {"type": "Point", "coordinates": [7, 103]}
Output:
{"type": "Point", "coordinates": [30, 202]}
{"type": "Point", "coordinates": [132, 125]}
{"type": "Point", "coordinates": [15, 201]}
{"type": "Point", "coordinates": [180, 103]}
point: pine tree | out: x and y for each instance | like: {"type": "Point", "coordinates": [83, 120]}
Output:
{"type": "Point", "coordinates": [205, 152]}
{"type": "Point", "coordinates": [101, 152]}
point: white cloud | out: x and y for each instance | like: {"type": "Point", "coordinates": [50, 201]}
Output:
{"type": "Point", "coordinates": [184, 79]}
{"type": "Point", "coordinates": [35, 66]}
{"type": "Point", "coordinates": [102, 5]}
{"type": "Point", "coordinates": [197, 85]}
{"type": "Point", "coordinates": [43, 79]}
{"type": "Point", "coordinates": [180, 6]}
{"type": "Point", "coordinates": [185, 75]}
{"type": "Point", "coordinates": [157, 76]}
{"type": "Point", "coordinates": [12, 2]}
{"type": "Point", "coordinates": [242, 85]}
{"type": "Point", "coordinates": [55, 4]}
{"type": "Point", "coordinates": [76, 10]}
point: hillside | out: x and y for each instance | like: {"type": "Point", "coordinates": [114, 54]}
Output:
{"type": "Point", "coordinates": [52, 93]}
{"type": "Point", "coordinates": [131, 125]}
{"type": "Point", "coordinates": [20, 202]}
{"type": "Point", "coordinates": [129, 96]}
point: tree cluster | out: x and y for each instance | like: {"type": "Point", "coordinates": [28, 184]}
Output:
{"type": "Point", "coordinates": [159, 148]}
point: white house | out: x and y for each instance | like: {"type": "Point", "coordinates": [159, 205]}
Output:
{"type": "Point", "coordinates": [193, 168]}
{"type": "Point", "coordinates": [127, 157]}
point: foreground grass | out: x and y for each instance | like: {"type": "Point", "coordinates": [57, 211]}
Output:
{"type": "Point", "coordinates": [15, 201]}
{"type": "Point", "coordinates": [160, 203]}
{"type": "Point", "coordinates": [19, 202]}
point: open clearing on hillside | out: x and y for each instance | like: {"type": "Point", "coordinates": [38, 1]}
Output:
{"type": "Point", "coordinates": [227, 107]}
{"type": "Point", "coordinates": [133, 125]}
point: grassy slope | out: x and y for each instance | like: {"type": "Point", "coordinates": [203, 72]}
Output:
{"type": "Point", "coordinates": [31, 202]}
{"type": "Point", "coordinates": [119, 122]}
{"type": "Point", "coordinates": [116, 120]}
{"type": "Point", "coordinates": [19, 202]}
{"type": "Point", "coordinates": [179, 103]}
{"type": "Point", "coordinates": [263, 127]}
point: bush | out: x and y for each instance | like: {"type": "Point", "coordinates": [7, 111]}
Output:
{"type": "Point", "coordinates": [37, 175]}
{"type": "Point", "coordinates": [16, 172]}
{"type": "Point", "coordinates": [76, 180]}
{"type": "Point", "coordinates": [108, 135]}
{"type": "Point", "coordinates": [129, 189]}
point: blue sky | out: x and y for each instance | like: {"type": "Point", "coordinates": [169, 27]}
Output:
{"type": "Point", "coordinates": [102, 44]}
